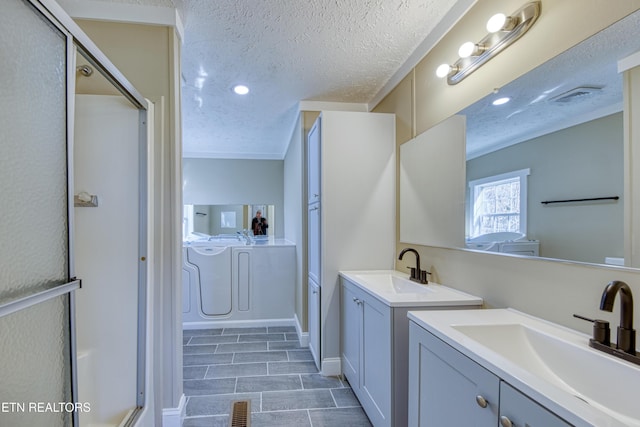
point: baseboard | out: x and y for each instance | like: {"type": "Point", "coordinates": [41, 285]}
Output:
{"type": "Point", "coordinates": [303, 337]}
{"type": "Point", "coordinates": [172, 417]}
{"type": "Point", "coordinates": [331, 367]}
{"type": "Point", "coordinates": [209, 324]}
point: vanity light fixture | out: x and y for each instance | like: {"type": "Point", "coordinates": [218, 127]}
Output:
{"type": "Point", "coordinates": [241, 89]}
{"type": "Point", "coordinates": [503, 31]}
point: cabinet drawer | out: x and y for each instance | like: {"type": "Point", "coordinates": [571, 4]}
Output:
{"type": "Point", "coordinates": [518, 410]}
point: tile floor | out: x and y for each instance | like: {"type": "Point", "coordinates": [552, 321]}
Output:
{"type": "Point", "coordinates": [267, 366]}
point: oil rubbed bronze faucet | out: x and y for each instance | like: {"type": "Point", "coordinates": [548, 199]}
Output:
{"type": "Point", "coordinates": [626, 333]}
{"type": "Point", "coordinates": [625, 348]}
{"type": "Point", "coordinates": [416, 275]}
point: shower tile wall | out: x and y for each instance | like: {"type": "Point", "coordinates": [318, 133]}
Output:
{"type": "Point", "coordinates": [268, 367]}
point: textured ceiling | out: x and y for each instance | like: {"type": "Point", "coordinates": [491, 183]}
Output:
{"type": "Point", "coordinates": [532, 111]}
{"type": "Point", "coordinates": [287, 51]}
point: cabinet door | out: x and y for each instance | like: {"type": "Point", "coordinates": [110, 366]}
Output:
{"type": "Point", "coordinates": [314, 320]}
{"type": "Point", "coordinates": [313, 242]}
{"type": "Point", "coordinates": [351, 317]}
{"type": "Point", "coordinates": [447, 388]}
{"type": "Point", "coordinates": [313, 166]}
{"type": "Point", "coordinates": [375, 361]}
{"type": "Point", "coordinates": [518, 410]}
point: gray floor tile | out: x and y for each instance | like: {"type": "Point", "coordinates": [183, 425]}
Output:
{"type": "Point", "coordinates": [278, 368]}
{"type": "Point", "coordinates": [260, 356]}
{"type": "Point", "coordinates": [197, 332]}
{"type": "Point", "coordinates": [276, 329]}
{"type": "Point", "coordinates": [206, 359]}
{"type": "Point", "coordinates": [297, 355]}
{"type": "Point", "coordinates": [194, 372]}
{"type": "Point", "coordinates": [242, 347]}
{"type": "Point", "coordinates": [268, 383]}
{"type": "Point", "coordinates": [284, 345]}
{"type": "Point", "coordinates": [352, 417]}
{"type": "Point", "coordinates": [213, 339]}
{"type": "Point", "coordinates": [218, 421]}
{"type": "Point", "coordinates": [344, 397]}
{"type": "Point", "coordinates": [319, 381]}
{"type": "Point", "coordinates": [185, 340]}
{"type": "Point", "coordinates": [206, 387]}
{"type": "Point", "coordinates": [199, 349]}
{"type": "Point", "coordinates": [220, 404]}
{"type": "Point", "coordinates": [291, 337]}
{"type": "Point", "coordinates": [236, 331]}
{"type": "Point", "coordinates": [260, 337]}
{"type": "Point", "coordinates": [281, 419]}
{"type": "Point", "coordinates": [301, 399]}
{"type": "Point", "coordinates": [237, 370]}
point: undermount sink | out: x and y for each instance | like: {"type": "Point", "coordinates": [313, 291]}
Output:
{"type": "Point", "coordinates": [395, 289]}
{"type": "Point", "coordinates": [554, 361]}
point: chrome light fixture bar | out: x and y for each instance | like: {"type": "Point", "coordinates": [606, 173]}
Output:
{"type": "Point", "coordinates": [503, 31]}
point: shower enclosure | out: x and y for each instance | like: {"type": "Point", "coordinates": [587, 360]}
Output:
{"type": "Point", "coordinates": [41, 301]}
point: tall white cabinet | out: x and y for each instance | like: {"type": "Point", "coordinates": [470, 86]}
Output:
{"type": "Point", "coordinates": [351, 215]}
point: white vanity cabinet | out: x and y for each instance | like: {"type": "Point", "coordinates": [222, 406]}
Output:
{"type": "Point", "coordinates": [367, 343]}
{"type": "Point", "coordinates": [375, 337]}
{"type": "Point", "coordinates": [448, 388]}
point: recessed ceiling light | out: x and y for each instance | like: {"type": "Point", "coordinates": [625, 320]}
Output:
{"type": "Point", "coordinates": [241, 89]}
{"type": "Point", "coordinates": [501, 101]}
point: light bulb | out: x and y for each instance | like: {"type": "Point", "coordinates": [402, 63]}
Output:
{"type": "Point", "coordinates": [496, 22]}
{"type": "Point", "coordinates": [241, 89]}
{"type": "Point", "coordinates": [467, 49]}
{"type": "Point", "coordinates": [501, 101]}
{"type": "Point", "coordinates": [443, 70]}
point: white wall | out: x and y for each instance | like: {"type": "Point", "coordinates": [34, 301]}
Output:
{"type": "Point", "coordinates": [294, 205]}
{"type": "Point", "coordinates": [228, 181]}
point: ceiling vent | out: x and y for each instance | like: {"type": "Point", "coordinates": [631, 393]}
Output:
{"type": "Point", "coordinates": [576, 94]}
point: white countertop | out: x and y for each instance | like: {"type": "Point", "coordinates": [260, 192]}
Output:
{"type": "Point", "coordinates": [547, 388]}
{"type": "Point", "coordinates": [257, 243]}
{"type": "Point", "coordinates": [379, 284]}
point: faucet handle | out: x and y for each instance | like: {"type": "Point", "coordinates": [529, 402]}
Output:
{"type": "Point", "coordinates": [601, 331]}
{"type": "Point", "coordinates": [413, 274]}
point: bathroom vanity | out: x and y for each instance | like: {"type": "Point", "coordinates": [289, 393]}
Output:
{"type": "Point", "coordinates": [504, 368]}
{"type": "Point", "coordinates": [375, 336]}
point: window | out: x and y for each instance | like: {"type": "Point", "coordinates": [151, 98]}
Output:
{"type": "Point", "coordinates": [498, 203]}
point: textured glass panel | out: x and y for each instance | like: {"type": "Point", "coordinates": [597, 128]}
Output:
{"type": "Point", "coordinates": [33, 176]}
{"type": "Point", "coordinates": [34, 366]}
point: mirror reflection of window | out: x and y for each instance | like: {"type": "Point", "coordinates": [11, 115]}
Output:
{"type": "Point", "coordinates": [498, 204]}
{"type": "Point", "coordinates": [227, 219]}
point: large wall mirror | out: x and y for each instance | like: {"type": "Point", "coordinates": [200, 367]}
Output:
{"type": "Point", "coordinates": [224, 220]}
{"type": "Point", "coordinates": [545, 170]}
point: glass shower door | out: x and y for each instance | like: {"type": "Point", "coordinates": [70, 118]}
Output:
{"type": "Point", "coordinates": [36, 275]}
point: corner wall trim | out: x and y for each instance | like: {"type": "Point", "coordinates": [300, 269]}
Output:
{"type": "Point", "coordinates": [303, 337]}
{"type": "Point", "coordinates": [331, 367]}
{"type": "Point", "coordinates": [172, 417]}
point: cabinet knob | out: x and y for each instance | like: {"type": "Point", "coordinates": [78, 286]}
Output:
{"type": "Point", "coordinates": [315, 292]}
{"type": "Point", "coordinates": [357, 301]}
{"type": "Point", "coordinates": [481, 401]}
{"type": "Point", "coordinates": [505, 422]}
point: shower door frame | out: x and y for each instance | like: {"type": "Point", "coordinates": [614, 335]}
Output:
{"type": "Point", "coordinates": [78, 42]}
